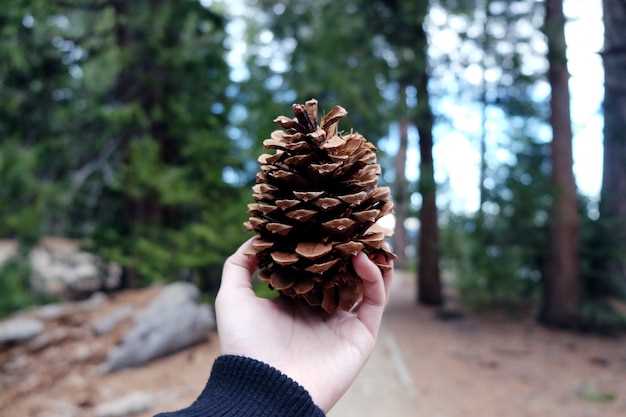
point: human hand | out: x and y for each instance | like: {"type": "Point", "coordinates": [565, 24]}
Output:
{"type": "Point", "coordinates": [323, 354]}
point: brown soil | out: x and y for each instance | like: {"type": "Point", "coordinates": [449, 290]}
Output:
{"type": "Point", "coordinates": [494, 365]}
{"type": "Point", "coordinates": [481, 365]}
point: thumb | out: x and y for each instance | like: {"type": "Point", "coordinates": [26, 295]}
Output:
{"type": "Point", "coordinates": [238, 269]}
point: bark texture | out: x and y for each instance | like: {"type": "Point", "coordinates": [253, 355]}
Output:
{"type": "Point", "coordinates": [428, 274]}
{"type": "Point", "coordinates": [613, 198]}
{"type": "Point", "coordinates": [562, 285]}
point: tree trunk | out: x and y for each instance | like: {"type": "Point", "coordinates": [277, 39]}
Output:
{"type": "Point", "coordinates": [122, 92]}
{"type": "Point", "coordinates": [401, 195]}
{"type": "Point", "coordinates": [128, 89]}
{"type": "Point", "coordinates": [428, 275]}
{"type": "Point", "coordinates": [613, 197]}
{"type": "Point", "coordinates": [561, 293]}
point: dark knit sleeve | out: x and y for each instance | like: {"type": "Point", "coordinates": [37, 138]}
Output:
{"type": "Point", "coordinates": [240, 386]}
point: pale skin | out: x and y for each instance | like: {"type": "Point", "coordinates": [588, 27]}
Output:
{"type": "Point", "coordinates": [323, 354]}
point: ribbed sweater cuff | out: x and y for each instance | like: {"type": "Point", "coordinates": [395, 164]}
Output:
{"type": "Point", "coordinates": [241, 386]}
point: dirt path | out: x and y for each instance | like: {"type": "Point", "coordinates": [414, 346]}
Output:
{"type": "Point", "coordinates": [476, 366]}
{"type": "Point", "coordinates": [497, 366]}
{"type": "Point", "coordinates": [384, 387]}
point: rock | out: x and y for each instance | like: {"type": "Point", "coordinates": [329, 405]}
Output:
{"type": "Point", "coordinates": [61, 269]}
{"type": "Point", "coordinates": [171, 322]}
{"type": "Point", "coordinates": [106, 324]}
{"type": "Point", "coordinates": [175, 294]}
{"type": "Point", "coordinates": [59, 311]}
{"type": "Point", "coordinates": [131, 404]}
{"type": "Point", "coordinates": [8, 250]}
{"type": "Point", "coordinates": [93, 302]}
{"type": "Point", "coordinates": [19, 330]}
{"type": "Point", "coordinates": [47, 339]}
{"type": "Point", "coordinates": [52, 311]}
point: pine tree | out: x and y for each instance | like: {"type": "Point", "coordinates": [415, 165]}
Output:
{"type": "Point", "coordinates": [36, 91]}
{"type": "Point", "coordinates": [150, 138]}
{"type": "Point", "coordinates": [562, 286]}
{"type": "Point", "coordinates": [402, 23]}
{"type": "Point", "coordinates": [613, 196]}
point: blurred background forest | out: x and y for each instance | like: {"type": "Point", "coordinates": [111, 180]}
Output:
{"type": "Point", "coordinates": [135, 129]}
{"type": "Point", "coordinates": [129, 133]}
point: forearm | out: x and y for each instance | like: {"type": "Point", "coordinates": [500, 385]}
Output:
{"type": "Point", "coordinates": [240, 386]}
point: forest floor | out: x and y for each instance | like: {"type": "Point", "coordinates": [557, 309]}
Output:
{"type": "Point", "coordinates": [478, 365]}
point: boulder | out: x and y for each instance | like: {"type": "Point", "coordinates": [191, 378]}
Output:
{"type": "Point", "coordinates": [61, 269]}
{"type": "Point", "coordinates": [19, 330]}
{"type": "Point", "coordinates": [96, 300]}
{"type": "Point", "coordinates": [68, 309]}
{"type": "Point", "coordinates": [173, 321]}
{"type": "Point", "coordinates": [52, 311]}
{"type": "Point", "coordinates": [171, 296]}
{"type": "Point", "coordinates": [8, 250]}
{"type": "Point", "coordinates": [107, 323]}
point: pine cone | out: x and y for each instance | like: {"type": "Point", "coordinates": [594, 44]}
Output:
{"type": "Point", "coordinates": [317, 201]}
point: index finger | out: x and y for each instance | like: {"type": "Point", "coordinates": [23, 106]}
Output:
{"type": "Point", "coordinates": [374, 295]}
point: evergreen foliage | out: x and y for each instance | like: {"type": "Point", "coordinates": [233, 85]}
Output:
{"type": "Point", "coordinates": [122, 124]}
{"type": "Point", "coordinates": [114, 123]}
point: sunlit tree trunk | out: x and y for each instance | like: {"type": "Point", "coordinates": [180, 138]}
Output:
{"type": "Point", "coordinates": [613, 198]}
{"type": "Point", "coordinates": [562, 286]}
{"type": "Point", "coordinates": [428, 274]}
{"type": "Point", "coordinates": [401, 195]}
